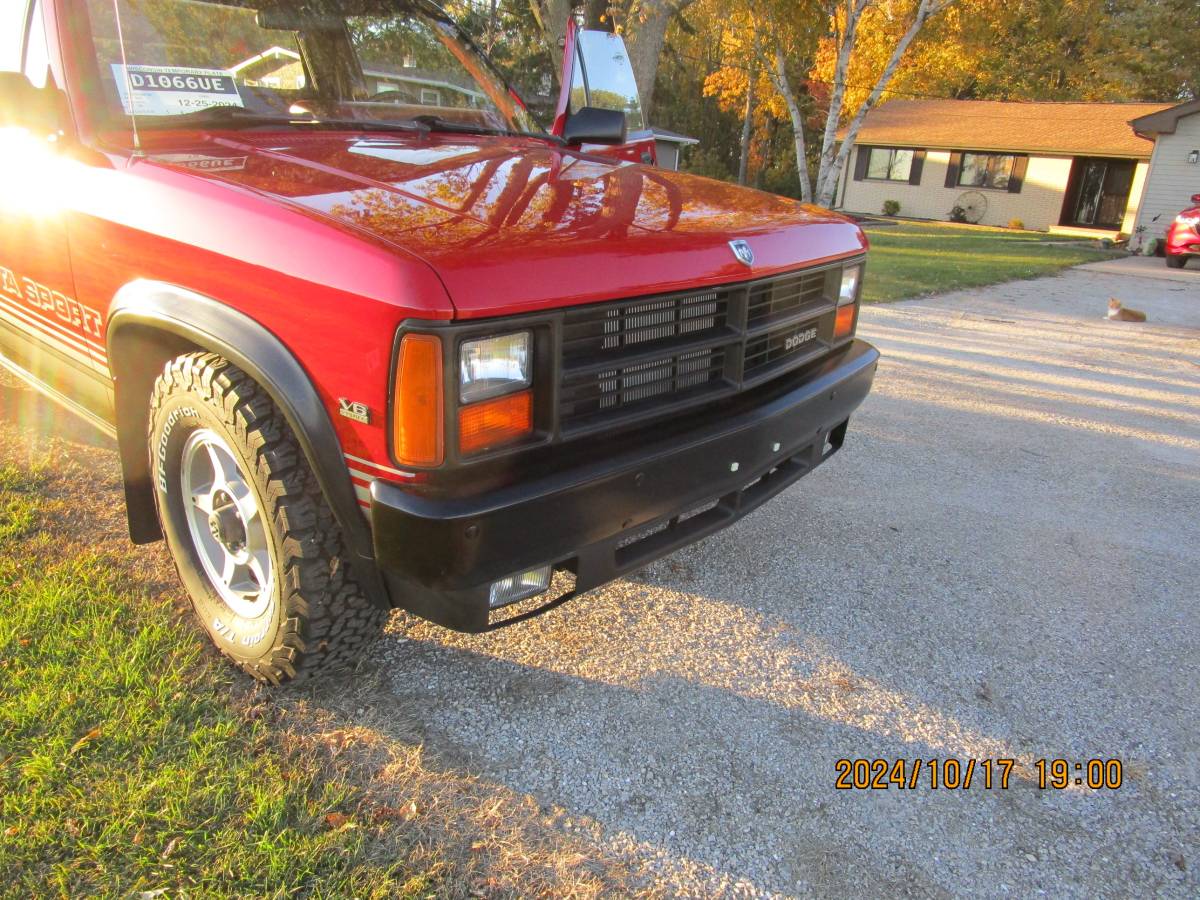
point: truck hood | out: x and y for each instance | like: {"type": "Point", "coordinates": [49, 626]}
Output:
{"type": "Point", "coordinates": [516, 225]}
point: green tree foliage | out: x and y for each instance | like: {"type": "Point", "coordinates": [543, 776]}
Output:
{"type": "Point", "coordinates": [508, 31]}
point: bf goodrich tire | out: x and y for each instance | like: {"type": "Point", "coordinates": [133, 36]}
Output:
{"type": "Point", "coordinates": [1176, 262]}
{"type": "Point", "coordinates": [254, 542]}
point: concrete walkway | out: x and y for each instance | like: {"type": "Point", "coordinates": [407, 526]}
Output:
{"type": "Point", "coordinates": [1148, 267]}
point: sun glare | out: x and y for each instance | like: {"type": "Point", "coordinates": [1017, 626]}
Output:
{"type": "Point", "coordinates": [34, 183]}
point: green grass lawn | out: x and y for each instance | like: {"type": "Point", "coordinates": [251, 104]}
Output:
{"type": "Point", "coordinates": [910, 259]}
{"type": "Point", "coordinates": [126, 764]}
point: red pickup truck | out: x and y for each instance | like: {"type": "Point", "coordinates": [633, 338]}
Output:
{"type": "Point", "coordinates": [368, 336]}
{"type": "Point", "coordinates": [1183, 236]}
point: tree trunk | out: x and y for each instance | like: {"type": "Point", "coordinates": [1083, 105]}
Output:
{"type": "Point", "coordinates": [783, 85]}
{"type": "Point", "coordinates": [854, 11]}
{"type": "Point", "coordinates": [645, 46]}
{"type": "Point", "coordinates": [645, 43]}
{"type": "Point", "coordinates": [833, 160]}
{"type": "Point", "coordinates": [593, 11]}
{"type": "Point", "coordinates": [552, 16]}
{"type": "Point", "coordinates": [747, 128]}
{"type": "Point", "coordinates": [490, 39]}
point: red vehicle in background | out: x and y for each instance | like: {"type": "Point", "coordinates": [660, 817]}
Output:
{"type": "Point", "coordinates": [1183, 236]}
{"type": "Point", "coordinates": [369, 336]}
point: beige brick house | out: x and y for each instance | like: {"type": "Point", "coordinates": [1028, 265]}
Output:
{"type": "Point", "coordinates": [1071, 167]}
{"type": "Point", "coordinates": [1174, 168]}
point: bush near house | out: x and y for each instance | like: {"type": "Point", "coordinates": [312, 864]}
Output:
{"type": "Point", "coordinates": [1016, 224]}
{"type": "Point", "coordinates": [891, 207]}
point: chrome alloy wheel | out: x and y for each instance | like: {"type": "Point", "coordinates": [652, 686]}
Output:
{"type": "Point", "coordinates": [226, 525]}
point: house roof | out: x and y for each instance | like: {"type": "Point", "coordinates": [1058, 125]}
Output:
{"type": "Point", "coordinates": [1073, 129]}
{"type": "Point", "coordinates": [1164, 121]}
{"type": "Point", "coordinates": [665, 134]}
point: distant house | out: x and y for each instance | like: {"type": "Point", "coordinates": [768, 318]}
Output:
{"type": "Point", "coordinates": [1070, 167]}
{"type": "Point", "coordinates": [281, 68]}
{"type": "Point", "coordinates": [1174, 167]}
{"type": "Point", "coordinates": [277, 67]}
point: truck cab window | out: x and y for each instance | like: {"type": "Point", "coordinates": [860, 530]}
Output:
{"type": "Point", "coordinates": [383, 61]}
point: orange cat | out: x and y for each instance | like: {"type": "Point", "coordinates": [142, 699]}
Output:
{"type": "Point", "coordinates": [1119, 313]}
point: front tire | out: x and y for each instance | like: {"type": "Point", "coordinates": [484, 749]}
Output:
{"type": "Point", "coordinates": [254, 542]}
{"type": "Point", "coordinates": [1176, 262]}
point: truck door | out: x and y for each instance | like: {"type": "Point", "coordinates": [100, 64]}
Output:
{"type": "Point", "coordinates": [45, 334]}
{"type": "Point", "coordinates": [596, 72]}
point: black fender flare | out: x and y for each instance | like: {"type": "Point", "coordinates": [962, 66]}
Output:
{"type": "Point", "coordinates": [153, 314]}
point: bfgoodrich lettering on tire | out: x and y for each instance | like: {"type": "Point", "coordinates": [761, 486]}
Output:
{"type": "Point", "coordinates": [254, 542]}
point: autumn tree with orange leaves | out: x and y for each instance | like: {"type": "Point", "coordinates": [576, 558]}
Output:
{"type": "Point", "coordinates": [775, 50]}
{"type": "Point", "coordinates": [893, 24]}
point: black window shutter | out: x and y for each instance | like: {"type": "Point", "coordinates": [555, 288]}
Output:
{"type": "Point", "coordinates": [860, 163]}
{"type": "Point", "coordinates": [1017, 178]}
{"type": "Point", "coordinates": [918, 163]}
{"type": "Point", "coordinates": [952, 169]}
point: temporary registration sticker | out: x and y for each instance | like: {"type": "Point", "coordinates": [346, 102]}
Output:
{"type": "Point", "coordinates": [172, 91]}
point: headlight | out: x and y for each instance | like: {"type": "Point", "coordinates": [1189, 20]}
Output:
{"type": "Point", "coordinates": [1189, 221]}
{"type": "Point", "coordinates": [493, 366]}
{"type": "Point", "coordinates": [849, 288]}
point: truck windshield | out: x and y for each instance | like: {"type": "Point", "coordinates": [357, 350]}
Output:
{"type": "Point", "coordinates": [247, 63]}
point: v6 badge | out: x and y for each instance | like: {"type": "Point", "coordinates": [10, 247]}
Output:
{"type": "Point", "coordinates": [352, 409]}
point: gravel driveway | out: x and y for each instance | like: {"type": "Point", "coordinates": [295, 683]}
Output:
{"type": "Point", "coordinates": [1003, 562]}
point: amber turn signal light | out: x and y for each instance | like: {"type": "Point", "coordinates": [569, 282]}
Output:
{"type": "Point", "coordinates": [843, 325]}
{"type": "Point", "coordinates": [418, 423]}
{"type": "Point", "coordinates": [494, 423]}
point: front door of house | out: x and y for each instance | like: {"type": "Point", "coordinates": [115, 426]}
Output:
{"type": "Point", "coordinates": [1098, 193]}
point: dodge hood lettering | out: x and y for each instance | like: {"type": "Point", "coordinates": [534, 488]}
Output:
{"type": "Point", "coordinates": [485, 212]}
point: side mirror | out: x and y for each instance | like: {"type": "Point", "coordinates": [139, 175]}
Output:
{"type": "Point", "coordinates": [607, 76]}
{"type": "Point", "coordinates": [24, 106]}
{"type": "Point", "coordinates": [1196, 199]}
{"type": "Point", "coordinates": [595, 126]}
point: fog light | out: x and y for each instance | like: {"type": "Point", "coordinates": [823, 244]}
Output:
{"type": "Point", "coordinates": [494, 423]}
{"type": "Point", "coordinates": [519, 587]}
{"type": "Point", "coordinates": [843, 325]}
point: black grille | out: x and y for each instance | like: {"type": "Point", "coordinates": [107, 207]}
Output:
{"type": "Point", "coordinates": [776, 349]}
{"type": "Point", "coordinates": [639, 383]}
{"type": "Point", "coordinates": [636, 358]}
{"type": "Point", "coordinates": [594, 332]}
{"type": "Point", "coordinates": [785, 297]}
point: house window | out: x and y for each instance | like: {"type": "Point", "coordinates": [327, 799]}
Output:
{"type": "Point", "coordinates": [889, 164]}
{"type": "Point", "coordinates": [430, 97]}
{"type": "Point", "coordinates": [986, 170]}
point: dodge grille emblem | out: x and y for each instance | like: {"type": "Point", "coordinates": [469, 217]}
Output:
{"type": "Point", "coordinates": [743, 252]}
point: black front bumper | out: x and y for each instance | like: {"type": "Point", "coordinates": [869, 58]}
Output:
{"type": "Point", "coordinates": [439, 557]}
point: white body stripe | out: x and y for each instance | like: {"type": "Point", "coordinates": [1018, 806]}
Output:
{"type": "Point", "coordinates": [42, 320]}
{"type": "Point", "coordinates": [377, 466]}
{"type": "Point", "coordinates": [76, 350]}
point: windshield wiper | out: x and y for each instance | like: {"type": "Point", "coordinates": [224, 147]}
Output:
{"type": "Point", "coordinates": [238, 117]}
{"type": "Point", "coordinates": [363, 124]}
{"type": "Point", "coordinates": [225, 115]}
{"type": "Point", "coordinates": [437, 123]}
